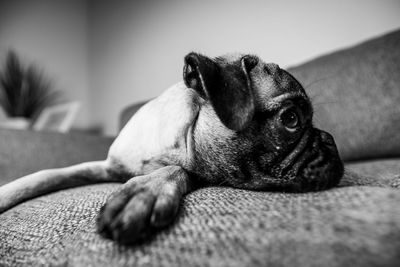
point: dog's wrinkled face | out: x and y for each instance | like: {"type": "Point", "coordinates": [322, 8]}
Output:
{"type": "Point", "coordinates": [255, 129]}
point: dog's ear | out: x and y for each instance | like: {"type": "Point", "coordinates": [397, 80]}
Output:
{"type": "Point", "coordinates": [200, 72]}
{"type": "Point", "coordinates": [227, 86]}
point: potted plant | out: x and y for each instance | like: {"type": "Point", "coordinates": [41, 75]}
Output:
{"type": "Point", "coordinates": [24, 92]}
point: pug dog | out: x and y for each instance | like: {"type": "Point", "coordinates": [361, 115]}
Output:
{"type": "Point", "coordinates": [234, 120]}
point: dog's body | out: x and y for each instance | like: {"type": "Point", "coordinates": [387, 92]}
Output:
{"type": "Point", "coordinates": [234, 121]}
{"type": "Point", "coordinates": [159, 134]}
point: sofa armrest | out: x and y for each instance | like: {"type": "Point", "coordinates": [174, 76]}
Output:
{"type": "Point", "coordinates": [24, 152]}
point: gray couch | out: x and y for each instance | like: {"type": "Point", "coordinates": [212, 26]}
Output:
{"type": "Point", "coordinates": [356, 94]}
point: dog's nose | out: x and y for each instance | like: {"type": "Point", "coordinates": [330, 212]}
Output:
{"type": "Point", "coordinates": [327, 138]}
{"type": "Point", "coordinates": [323, 168]}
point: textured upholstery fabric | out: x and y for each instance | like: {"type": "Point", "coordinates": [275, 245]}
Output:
{"type": "Point", "coordinates": [356, 95]}
{"type": "Point", "coordinates": [381, 169]}
{"type": "Point", "coordinates": [349, 226]}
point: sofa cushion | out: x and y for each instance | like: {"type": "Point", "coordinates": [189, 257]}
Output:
{"type": "Point", "coordinates": [384, 170]}
{"type": "Point", "coordinates": [216, 227]}
{"type": "Point", "coordinates": [356, 95]}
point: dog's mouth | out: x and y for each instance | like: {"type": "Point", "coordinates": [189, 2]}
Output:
{"type": "Point", "coordinates": [314, 164]}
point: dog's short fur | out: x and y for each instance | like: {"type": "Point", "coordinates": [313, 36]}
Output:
{"type": "Point", "coordinates": [235, 120]}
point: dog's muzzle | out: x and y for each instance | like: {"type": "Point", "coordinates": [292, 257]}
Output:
{"type": "Point", "coordinates": [314, 163]}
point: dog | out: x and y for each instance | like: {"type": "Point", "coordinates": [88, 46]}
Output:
{"type": "Point", "coordinates": [233, 121]}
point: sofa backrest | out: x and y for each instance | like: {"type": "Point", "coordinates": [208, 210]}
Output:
{"type": "Point", "coordinates": [356, 96]}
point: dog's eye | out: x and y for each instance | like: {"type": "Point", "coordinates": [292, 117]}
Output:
{"type": "Point", "coordinates": [290, 118]}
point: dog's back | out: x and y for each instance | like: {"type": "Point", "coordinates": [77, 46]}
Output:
{"type": "Point", "coordinates": [159, 134]}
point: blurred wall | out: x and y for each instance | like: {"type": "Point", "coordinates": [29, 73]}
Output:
{"type": "Point", "coordinates": [52, 34]}
{"type": "Point", "coordinates": [110, 54]}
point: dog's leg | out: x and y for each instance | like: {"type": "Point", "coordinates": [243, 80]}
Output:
{"type": "Point", "coordinates": [144, 204]}
{"type": "Point", "coordinates": [51, 180]}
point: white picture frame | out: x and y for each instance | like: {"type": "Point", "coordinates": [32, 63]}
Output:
{"type": "Point", "coordinates": [57, 118]}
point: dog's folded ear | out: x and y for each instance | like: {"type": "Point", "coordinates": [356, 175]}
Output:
{"type": "Point", "coordinates": [200, 72]}
{"type": "Point", "coordinates": [226, 85]}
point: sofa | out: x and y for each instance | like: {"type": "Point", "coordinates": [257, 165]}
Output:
{"type": "Point", "coordinates": [356, 95]}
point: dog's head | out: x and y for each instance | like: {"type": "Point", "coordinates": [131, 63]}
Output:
{"type": "Point", "coordinates": [255, 129]}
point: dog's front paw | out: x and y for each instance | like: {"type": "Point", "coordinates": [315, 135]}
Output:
{"type": "Point", "coordinates": [136, 211]}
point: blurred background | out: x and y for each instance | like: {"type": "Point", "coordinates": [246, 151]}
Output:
{"type": "Point", "coordinates": [106, 55]}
